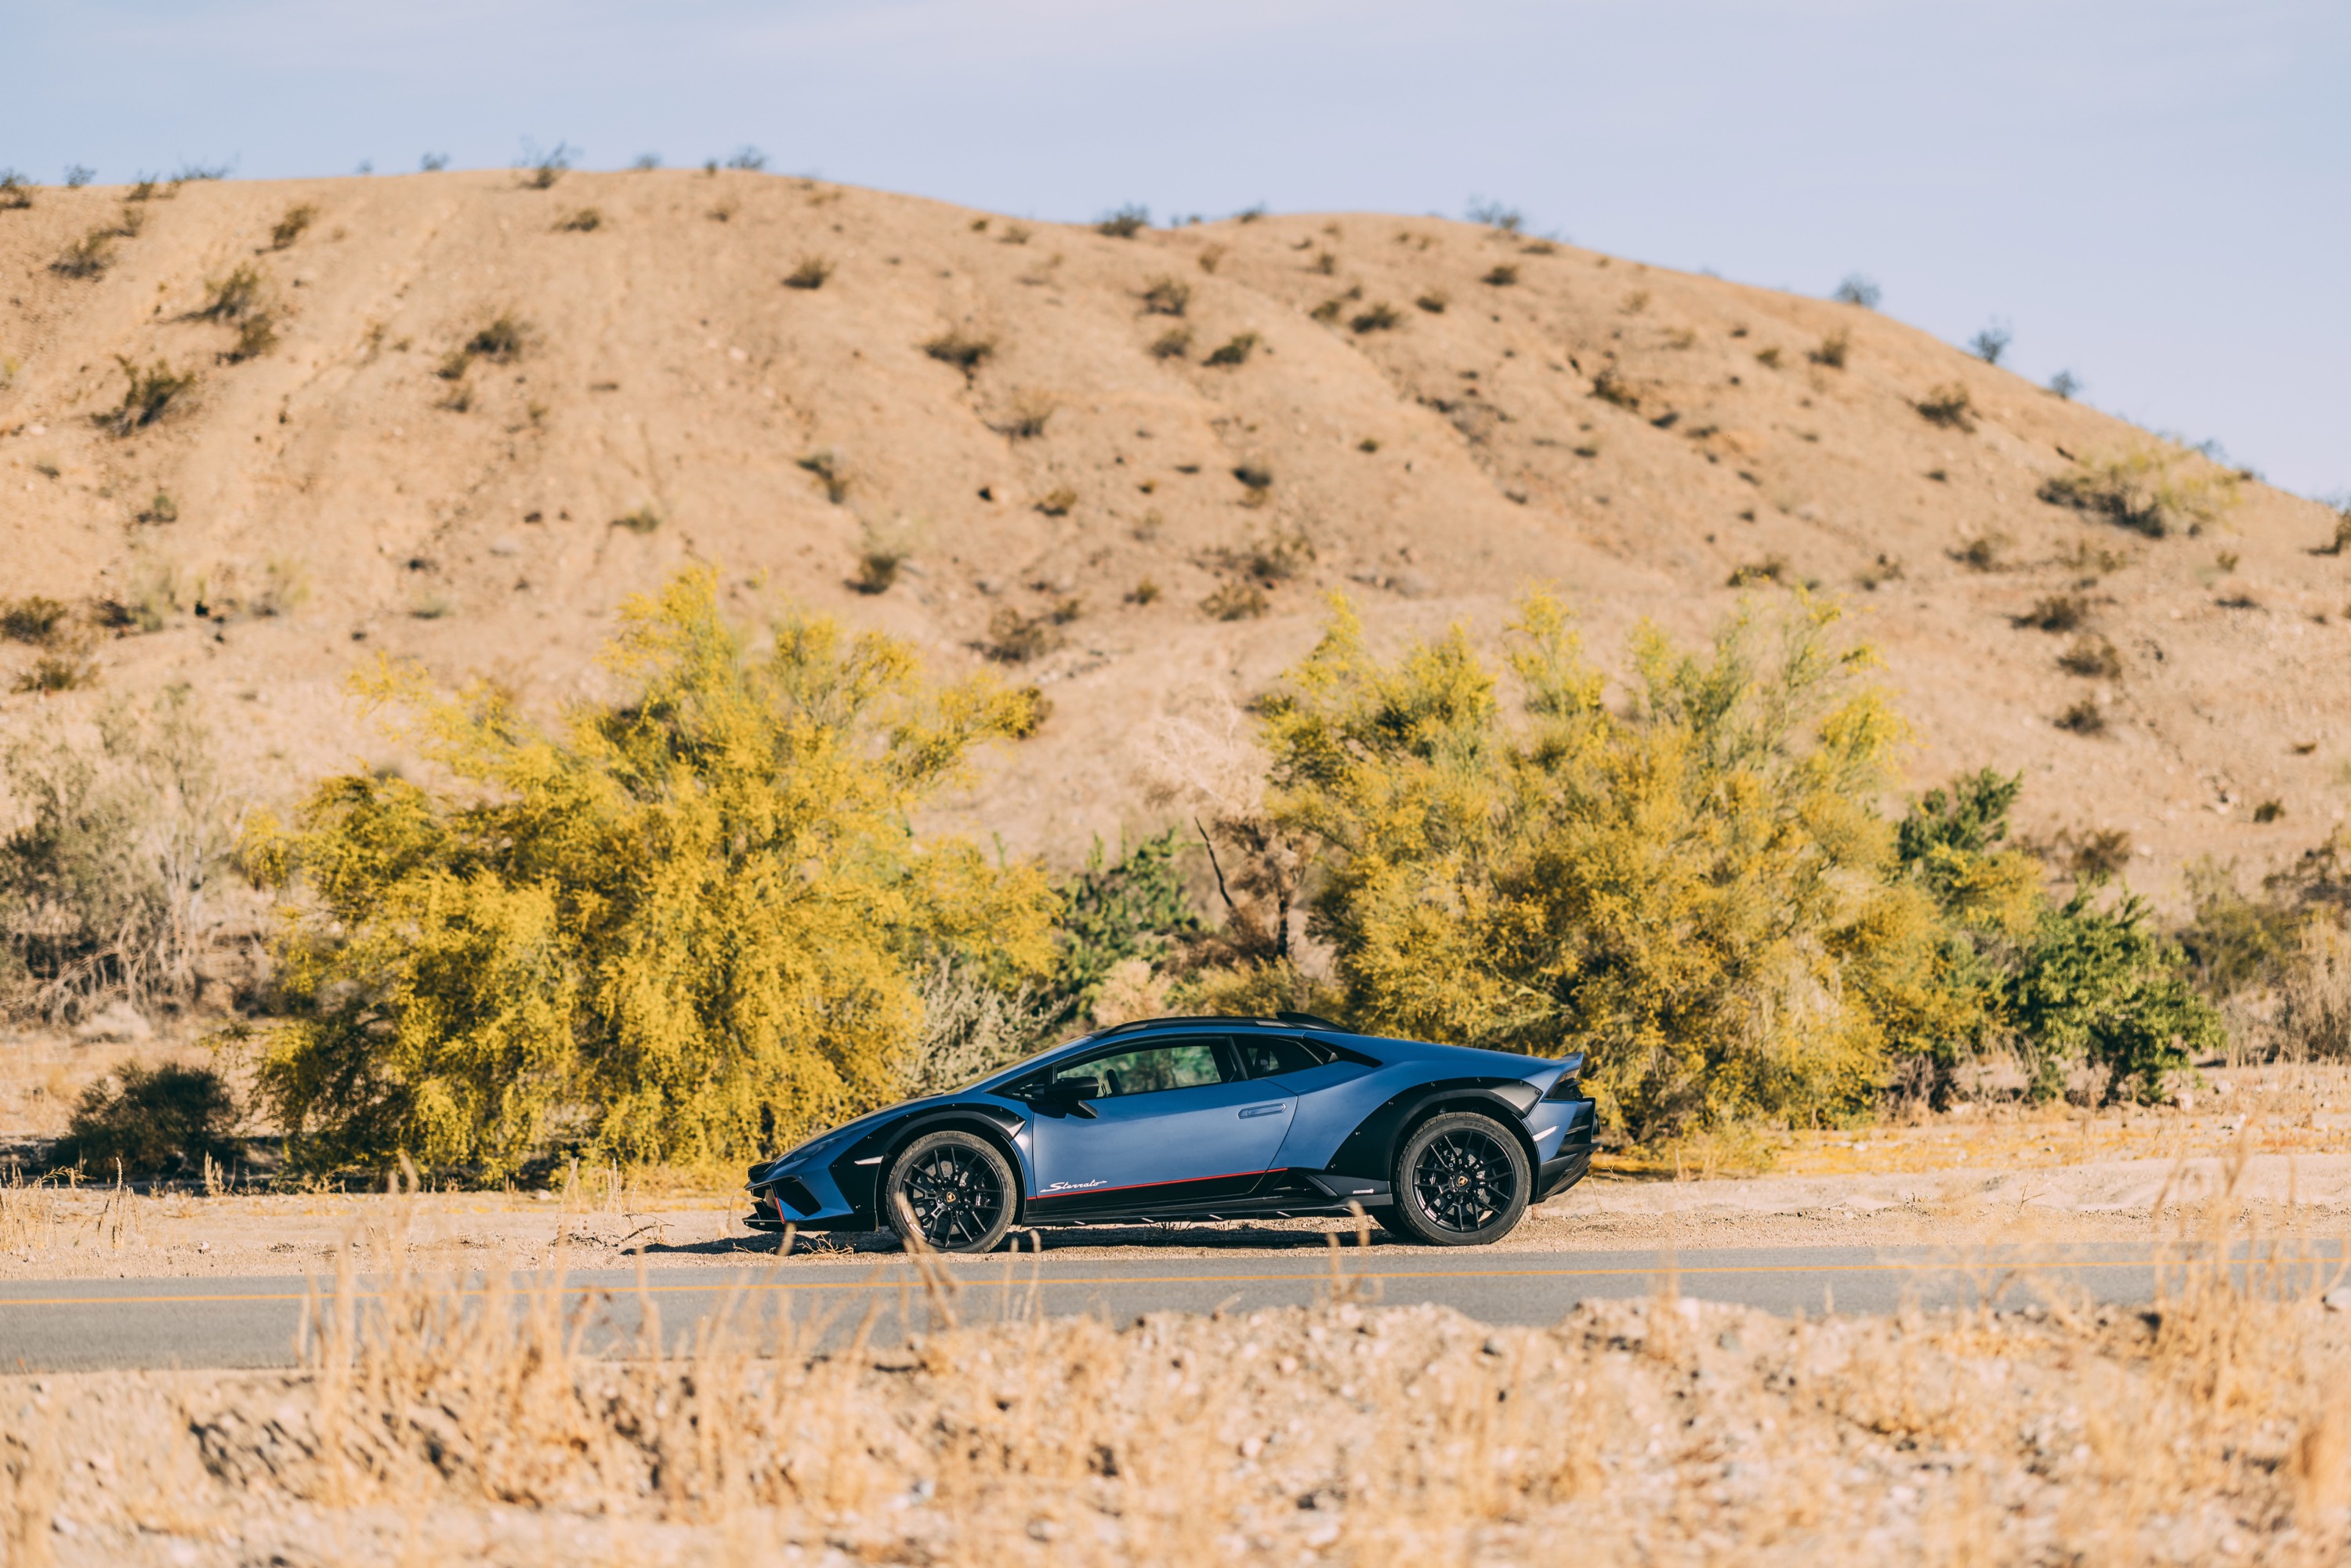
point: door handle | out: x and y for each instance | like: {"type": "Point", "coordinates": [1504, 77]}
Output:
{"type": "Point", "coordinates": [1259, 1111]}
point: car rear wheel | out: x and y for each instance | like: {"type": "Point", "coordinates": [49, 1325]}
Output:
{"type": "Point", "coordinates": [953, 1189]}
{"type": "Point", "coordinates": [1461, 1180]}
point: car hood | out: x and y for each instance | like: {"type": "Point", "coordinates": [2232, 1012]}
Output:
{"type": "Point", "coordinates": [848, 1133]}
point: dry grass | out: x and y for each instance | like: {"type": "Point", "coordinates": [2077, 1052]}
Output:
{"type": "Point", "coordinates": [432, 1415]}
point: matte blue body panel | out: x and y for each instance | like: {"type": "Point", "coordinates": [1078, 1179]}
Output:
{"type": "Point", "coordinates": [1148, 1140]}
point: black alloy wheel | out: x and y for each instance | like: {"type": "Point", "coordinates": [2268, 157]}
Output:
{"type": "Point", "coordinates": [953, 1189]}
{"type": "Point", "coordinates": [1461, 1180]}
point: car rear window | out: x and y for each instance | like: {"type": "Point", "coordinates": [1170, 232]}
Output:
{"type": "Point", "coordinates": [1268, 1055]}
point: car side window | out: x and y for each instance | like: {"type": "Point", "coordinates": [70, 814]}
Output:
{"type": "Point", "coordinates": [1188, 1064]}
{"type": "Point", "coordinates": [1268, 1055]}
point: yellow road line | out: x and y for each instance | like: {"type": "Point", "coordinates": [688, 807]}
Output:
{"type": "Point", "coordinates": [1316, 1277]}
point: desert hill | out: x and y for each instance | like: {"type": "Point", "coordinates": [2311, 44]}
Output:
{"type": "Point", "coordinates": [457, 417]}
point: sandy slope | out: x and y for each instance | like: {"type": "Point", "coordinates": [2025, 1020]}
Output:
{"type": "Point", "coordinates": [669, 367]}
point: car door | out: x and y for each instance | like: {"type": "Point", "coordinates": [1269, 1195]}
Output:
{"type": "Point", "coordinates": [1173, 1112]}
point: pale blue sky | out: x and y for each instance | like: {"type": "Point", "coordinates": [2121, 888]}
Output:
{"type": "Point", "coordinates": [2154, 195]}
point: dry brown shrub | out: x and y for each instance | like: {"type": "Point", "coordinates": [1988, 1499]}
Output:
{"type": "Point", "coordinates": [2314, 1001]}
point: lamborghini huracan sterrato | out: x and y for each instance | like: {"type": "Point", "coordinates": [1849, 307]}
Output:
{"type": "Point", "coordinates": [1203, 1118]}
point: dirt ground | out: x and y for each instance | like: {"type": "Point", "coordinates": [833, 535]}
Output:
{"type": "Point", "coordinates": [1971, 1178]}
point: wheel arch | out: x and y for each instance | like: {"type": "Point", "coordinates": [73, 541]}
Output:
{"type": "Point", "coordinates": [996, 1126]}
{"type": "Point", "coordinates": [1370, 1151]}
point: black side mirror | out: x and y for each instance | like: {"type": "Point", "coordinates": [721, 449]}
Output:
{"type": "Point", "coordinates": [1067, 1096]}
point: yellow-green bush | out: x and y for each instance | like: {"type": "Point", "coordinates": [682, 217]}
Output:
{"type": "Point", "coordinates": [1699, 891]}
{"type": "Point", "coordinates": [1695, 887]}
{"type": "Point", "coordinates": [683, 926]}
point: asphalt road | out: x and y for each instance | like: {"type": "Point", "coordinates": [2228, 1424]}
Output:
{"type": "Point", "coordinates": [80, 1325]}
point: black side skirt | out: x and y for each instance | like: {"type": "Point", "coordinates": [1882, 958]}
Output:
{"type": "Point", "coordinates": [1271, 1195]}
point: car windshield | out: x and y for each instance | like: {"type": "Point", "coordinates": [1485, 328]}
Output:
{"type": "Point", "coordinates": [1015, 1070]}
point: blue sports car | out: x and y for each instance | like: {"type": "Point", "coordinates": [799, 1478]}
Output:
{"type": "Point", "coordinates": [1203, 1118]}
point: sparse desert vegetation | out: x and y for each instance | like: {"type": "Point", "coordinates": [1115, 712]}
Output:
{"type": "Point", "coordinates": [292, 225]}
{"type": "Point", "coordinates": [1949, 406]}
{"type": "Point", "coordinates": [2149, 491]}
{"type": "Point", "coordinates": [1234, 350]}
{"type": "Point", "coordinates": [966, 352]}
{"type": "Point", "coordinates": [148, 395]}
{"type": "Point", "coordinates": [1125, 223]}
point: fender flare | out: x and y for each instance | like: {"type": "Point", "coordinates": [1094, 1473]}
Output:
{"type": "Point", "coordinates": [1370, 1150]}
{"type": "Point", "coordinates": [861, 1184]}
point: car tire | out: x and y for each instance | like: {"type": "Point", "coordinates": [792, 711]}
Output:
{"type": "Point", "coordinates": [1461, 1179]}
{"type": "Point", "coordinates": [955, 1191]}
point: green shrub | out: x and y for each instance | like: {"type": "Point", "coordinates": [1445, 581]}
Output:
{"type": "Point", "coordinates": [256, 336]}
{"type": "Point", "coordinates": [1950, 407]}
{"type": "Point", "coordinates": [2092, 657]}
{"type": "Point", "coordinates": [166, 1122]}
{"type": "Point", "coordinates": [2054, 613]}
{"type": "Point", "coordinates": [686, 926]}
{"type": "Point", "coordinates": [1858, 289]}
{"type": "Point", "coordinates": [232, 298]}
{"type": "Point", "coordinates": [963, 350]}
{"type": "Point", "coordinates": [1167, 297]}
{"type": "Point", "coordinates": [35, 619]}
{"type": "Point", "coordinates": [1125, 223]}
{"type": "Point", "coordinates": [827, 466]}
{"type": "Point", "coordinates": [149, 395]}
{"type": "Point", "coordinates": [290, 227]}
{"type": "Point", "coordinates": [1133, 908]}
{"type": "Point", "coordinates": [1234, 350]}
{"type": "Point", "coordinates": [2099, 985]}
{"type": "Point", "coordinates": [88, 256]}
{"type": "Point", "coordinates": [66, 672]}
{"type": "Point", "coordinates": [2143, 490]}
{"type": "Point", "coordinates": [541, 170]}
{"type": "Point", "coordinates": [1235, 602]}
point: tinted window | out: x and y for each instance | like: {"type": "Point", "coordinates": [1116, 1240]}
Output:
{"type": "Point", "coordinates": [1187, 1063]}
{"type": "Point", "coordinates": [1264, 1055]}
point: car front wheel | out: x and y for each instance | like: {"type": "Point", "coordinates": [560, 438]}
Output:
{"type": "Point", "coordinates": [953, 1189]}
{"type": "Point", "coordinates": [1461, 1180]}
